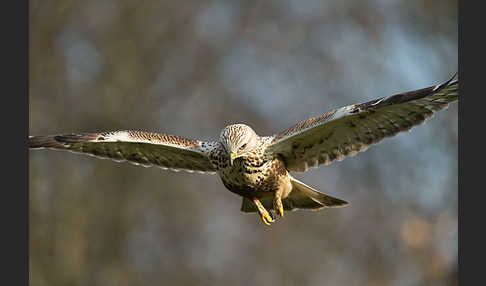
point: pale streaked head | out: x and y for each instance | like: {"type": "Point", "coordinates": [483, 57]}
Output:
{"type": "Point", "coordinates": [238, 139]}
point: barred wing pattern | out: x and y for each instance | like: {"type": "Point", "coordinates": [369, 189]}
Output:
{"type": "Point", "coordinates": [347, 130]}
{"type": "Point", "coordinates": [141, 148]}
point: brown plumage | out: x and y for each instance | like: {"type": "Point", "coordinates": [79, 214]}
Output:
{"type": "Point", "coordinates": [257, 168]}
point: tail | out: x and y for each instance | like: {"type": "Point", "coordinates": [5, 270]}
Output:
{"type": "Point", "coordinates": [305, 197]}
{"type": "Point", "coordinates": [301, 197]}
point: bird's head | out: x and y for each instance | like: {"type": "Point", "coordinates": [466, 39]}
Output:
{"type": "Point", "coordinates": [238, 140]}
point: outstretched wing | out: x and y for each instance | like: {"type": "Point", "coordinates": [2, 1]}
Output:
{"type": "Point", "coordinates": [350, 129]}
{"type": "Point", "coordinates": [141, 148]}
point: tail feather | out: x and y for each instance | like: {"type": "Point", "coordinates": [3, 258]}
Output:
{"type": "Point", "coordinates": [301, 197]}
{"type": "Point", "coordinates": [321, 198]}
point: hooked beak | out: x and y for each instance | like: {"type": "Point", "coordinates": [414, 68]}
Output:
{"type": "Point", "coordinates": [232, 158]}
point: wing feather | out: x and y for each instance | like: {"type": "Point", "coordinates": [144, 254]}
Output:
{"type": "Point", "coordinates": [140, 148]}
{"type": "Point", "coordinates": [348, 130]}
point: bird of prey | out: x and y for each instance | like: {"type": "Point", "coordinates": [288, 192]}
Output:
{"type": "Point", "coordinates": [257, 167]}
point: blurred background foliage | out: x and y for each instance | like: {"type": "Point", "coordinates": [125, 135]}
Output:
{"type": "Point", "coordinates": [191, 67]}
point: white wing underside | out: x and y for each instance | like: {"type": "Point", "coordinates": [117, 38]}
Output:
{"type": "Point", "coordinates": [140, 148]}
{"type": "Point", "coordinates": [347, 130]}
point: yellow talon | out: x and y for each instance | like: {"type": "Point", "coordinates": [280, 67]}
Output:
{"type": "Point", "coordinates": [267, 219]}
{"type": "Point", "coordinates": [281, 211]}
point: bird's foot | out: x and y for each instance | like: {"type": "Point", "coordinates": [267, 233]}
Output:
{"type": "Point", "coordinates": [264, 214]}
{"type": "Point", "coordinates": [267, 218]}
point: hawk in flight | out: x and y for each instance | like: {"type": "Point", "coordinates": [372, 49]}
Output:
{"type": "Point", "coordinates": [257, 167]}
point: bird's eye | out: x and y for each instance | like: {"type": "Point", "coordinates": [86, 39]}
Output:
{"type": "Point", "coordinates": [243, 146]}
